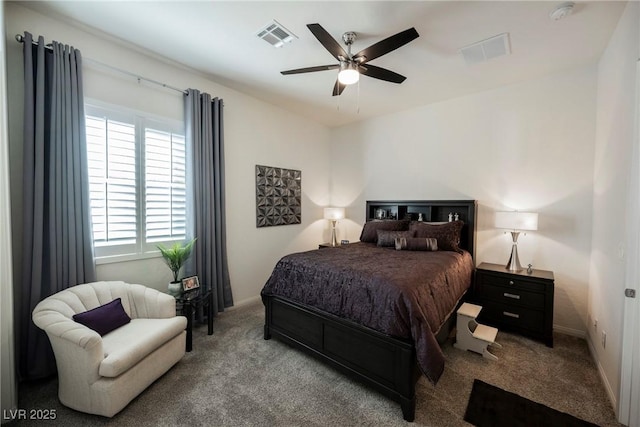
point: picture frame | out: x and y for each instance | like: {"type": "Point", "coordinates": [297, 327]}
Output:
{"type": "Point", "coordinates": [190, 283]}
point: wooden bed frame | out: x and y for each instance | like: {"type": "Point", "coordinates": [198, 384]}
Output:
{"type": "Point", "coordinates": [385, 363]}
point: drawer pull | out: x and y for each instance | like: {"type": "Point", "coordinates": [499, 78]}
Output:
{"type": "Point", "coordinates": [514, 296]}
{"type": "Point", "coordinates": [511, 282]}
{"type": "Point", "coordinates": [515, 316]}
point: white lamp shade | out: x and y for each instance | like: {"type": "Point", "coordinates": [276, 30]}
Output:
{"type": "Point", "coordinates": [334, 213]}
{"type": "Point", "coordinates": [517, 220]}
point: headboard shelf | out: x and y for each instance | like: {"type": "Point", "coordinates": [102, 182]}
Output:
{"type": "Point", "coordinates": [431, 210]}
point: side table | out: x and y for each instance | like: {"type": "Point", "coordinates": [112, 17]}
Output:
{"type": "Point", "coordinates": [518, 301]}
{"type": "Point", "coordinates": [195, 299]}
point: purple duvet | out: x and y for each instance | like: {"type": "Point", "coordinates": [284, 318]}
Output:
{"type": "Point", "coordinates": [405, 294]}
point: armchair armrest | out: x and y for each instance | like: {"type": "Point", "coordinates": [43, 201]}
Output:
{"type": "Point", "coordinates": [48, 316]}
{"type": "Point", "coordinates": [149, 303]}
{"type": "Point", "coordinates": [76, 346]}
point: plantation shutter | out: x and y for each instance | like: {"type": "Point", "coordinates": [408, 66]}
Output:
{"type": "Point", "coordinates": [111, 149]}
{"type": "Point", "coordinates": [165, 203]}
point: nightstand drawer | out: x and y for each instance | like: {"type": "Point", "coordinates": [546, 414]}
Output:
{"type": "Point", "coordinates": [512, 296]}
{"type": "Point", "coordinates": [502, 280]}
{"type": "Point", "coordinates": [510, 316]}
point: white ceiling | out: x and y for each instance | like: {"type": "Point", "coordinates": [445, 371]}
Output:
{"type": "Point", "coordinates": [219, 39]}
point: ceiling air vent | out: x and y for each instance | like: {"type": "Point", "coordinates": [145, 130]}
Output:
{"type": "Point", "coordinates": [486, 49]}
{"type": "Point", "coordinates": [275, 34]}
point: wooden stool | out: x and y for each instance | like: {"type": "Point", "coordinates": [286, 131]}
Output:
{"type": "Point", "coordinates": [470, 335]}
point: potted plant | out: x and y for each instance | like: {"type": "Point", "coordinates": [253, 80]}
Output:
{"type": "Point", "coordinates": [175, 256]}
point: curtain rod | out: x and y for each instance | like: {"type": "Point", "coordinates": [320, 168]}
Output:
{"type": "Point", "coordinates": [20, 39]}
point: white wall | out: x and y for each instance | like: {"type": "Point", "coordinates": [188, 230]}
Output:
{"type": "Point", "coordinates": [613, 153]}
{"type": "Point", "coordinates": [528, 146]}
{"type": "Point", "coordinates": [8, 392]}
{"type": "Point", "coordinates": [255, 133]}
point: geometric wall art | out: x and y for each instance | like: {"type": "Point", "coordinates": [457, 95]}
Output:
{"type": "Point", "coordinates": [278, 196]}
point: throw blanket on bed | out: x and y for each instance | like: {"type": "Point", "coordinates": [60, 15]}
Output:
{"type": "Point", "coordinates": [405, 294]}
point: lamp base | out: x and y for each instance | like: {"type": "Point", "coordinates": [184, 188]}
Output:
{"type": "Point", "coordinates": [334, 240]}
{"type": "Point", "coordinates": [514, 262]}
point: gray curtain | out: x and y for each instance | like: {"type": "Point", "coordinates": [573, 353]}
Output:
{"type": "Point", "coordinates": [58, 249]}
{"type": "Point", "coordinates": [205, 195]}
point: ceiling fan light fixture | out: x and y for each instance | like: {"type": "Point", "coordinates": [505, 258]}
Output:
{"type": "Point", "coordinates": [348, 74]}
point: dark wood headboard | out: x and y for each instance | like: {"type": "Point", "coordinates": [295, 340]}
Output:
{"type": "Point", "coordinates": [432, 211]}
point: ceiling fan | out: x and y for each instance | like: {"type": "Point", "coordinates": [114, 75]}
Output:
{"type": "Point", "coordinates": [351, 66]}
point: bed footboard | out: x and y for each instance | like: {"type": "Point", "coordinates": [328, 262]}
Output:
{"type": "Point", "coordinates": [385, 363]}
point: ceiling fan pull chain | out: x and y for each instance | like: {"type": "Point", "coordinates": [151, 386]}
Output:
{"type": "Point", "coordinates": [358, 100]}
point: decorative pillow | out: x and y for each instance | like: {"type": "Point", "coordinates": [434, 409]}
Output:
{"type": "Point", "coordinates": [105, 318]}
{"type": "Point", "coordinates": [370, 230]}
{"type": "Point", "coordinates": [447, 235]}
{"type": "Point", "coordinates": [416, 244]}
{"type": "Point", "coordinates": [388, 238]}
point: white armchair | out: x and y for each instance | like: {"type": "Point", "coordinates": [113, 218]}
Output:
{"type": "Point", "coordinates": [102, 374]}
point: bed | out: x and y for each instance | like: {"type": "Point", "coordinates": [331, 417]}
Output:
{"type": "Point", "coordinates": [376, 313]}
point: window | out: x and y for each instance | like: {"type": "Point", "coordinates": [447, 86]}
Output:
{"type": "Point", "coordinates": [136, 181]}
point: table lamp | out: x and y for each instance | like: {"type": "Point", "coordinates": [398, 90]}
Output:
{"type": "Point", "coordinates": [333, 215]}
{"type": "Point", "coordinates": [516, 222]}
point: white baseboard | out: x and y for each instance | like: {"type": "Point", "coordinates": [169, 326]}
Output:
{"type": "Point", "coordinates": [594, 356]}
{"type": "Point", "coordinates": [603, 377]}
{"type": "Point", "coordinates": [570, 331]}
{"type": "Point", "coordinates": [244, 302]}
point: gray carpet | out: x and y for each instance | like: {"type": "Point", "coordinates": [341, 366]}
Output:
{"type": "Point", "coordinates": [235, 378]}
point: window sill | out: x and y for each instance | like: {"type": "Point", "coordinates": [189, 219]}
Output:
{"type": "Point", "coordinates": [127, 257]}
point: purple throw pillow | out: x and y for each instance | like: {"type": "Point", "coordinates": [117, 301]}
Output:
{"type": "Point", "coordinates": [105, 318]}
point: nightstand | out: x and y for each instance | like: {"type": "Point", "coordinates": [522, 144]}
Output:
{"type": "Point", "coordinates": [516, 301]}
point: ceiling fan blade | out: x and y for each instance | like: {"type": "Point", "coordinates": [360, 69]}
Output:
{"type": "Point", "coordinates": [385, 46]}
{"type": "Point", "coordinates": [381, 73]}
{"type": "Point", "coordinates": [327, 41]}
{"type": "Point", "coordinates": [338, 88]}
{"type": "Point", "coordinates": [311, 69]}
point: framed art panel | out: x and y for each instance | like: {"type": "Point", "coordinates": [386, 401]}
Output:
{"type": "Point", "coordinates": [278, 196]}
